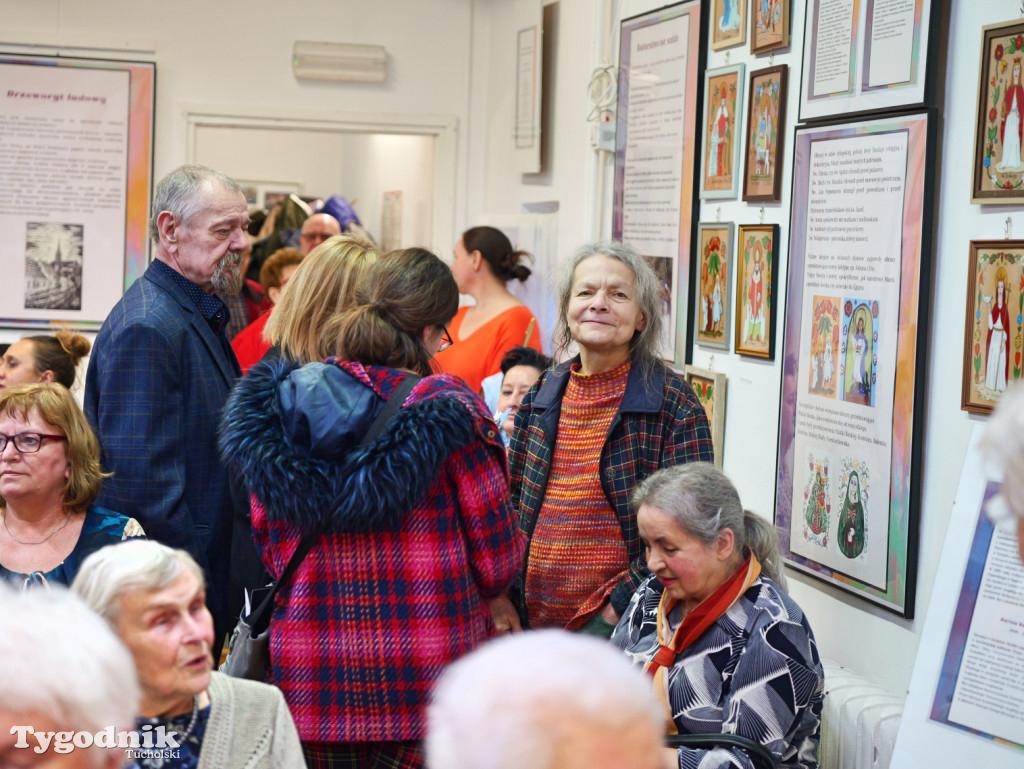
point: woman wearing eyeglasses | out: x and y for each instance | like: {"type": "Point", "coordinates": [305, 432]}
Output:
{"type": "Point", "coordinates": [49, 478]}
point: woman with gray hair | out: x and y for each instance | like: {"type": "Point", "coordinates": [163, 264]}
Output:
{"type": "Point", "coordinates": [1003, 446]}
{"type": "Point", "coordinates": [155, 599]}
{"type": "Point", "coordinates": [727, 649]}
{"type": "Point", "coordinates": [67, 684]}
{"type": "Point", "coordinates": [586, 434]}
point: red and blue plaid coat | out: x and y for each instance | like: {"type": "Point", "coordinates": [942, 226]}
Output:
{"type": "Point", "coordinates": [421, 533]}
{"type": "Point", "coordinates": [660, 423]}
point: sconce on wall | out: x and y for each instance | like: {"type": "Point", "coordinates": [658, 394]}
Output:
{"type": "Point", "coordinates": [344, 62]}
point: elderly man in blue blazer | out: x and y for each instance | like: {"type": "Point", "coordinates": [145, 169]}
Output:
{"type": "Point", "coordinates": [162, 368]}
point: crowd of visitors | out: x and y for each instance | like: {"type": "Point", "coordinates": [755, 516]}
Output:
{"type": "Point", "coordinates": [402, 522]}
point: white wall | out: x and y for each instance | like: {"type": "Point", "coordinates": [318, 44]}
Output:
{"type": "Point", "coordinates": [237, 54]}
{"type": "Point", "coordinates": [359, 166]}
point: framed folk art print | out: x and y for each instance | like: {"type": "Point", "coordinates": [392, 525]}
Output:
{"type": "Point", "coordinates": [720, 156]}
{"type": "Point", "coordinates": [712, 310]}
{"type": "Point", "coordinates": [998, 166]}
{"type": "Point", "coordinates": [993, 325]}
{"type": "Point", "coordinates": [769, 25]}
{"type": "Point", "coordinates": [709, 387]}
{"type": "Point", "coordinates": [766, 128]}
{"type": "Point", "coordinates": [728, 23]}
{"type": "Point", "coordinates": [755, 290]}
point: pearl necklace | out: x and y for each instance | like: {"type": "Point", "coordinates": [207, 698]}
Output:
{"type": "Point", "coordinates": [44, 539]}
{"type": "Point", "coordinates": [191, 721]}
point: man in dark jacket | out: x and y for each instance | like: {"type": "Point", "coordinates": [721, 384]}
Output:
{"type": "Point", "coordinates": [162, 368]}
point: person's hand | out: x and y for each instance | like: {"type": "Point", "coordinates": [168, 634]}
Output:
{"type": "Point", "coordinates": [608, 613]}
{"type": "Point", "coordinates": [671, 756]}
{"type": "Point", "coordinates": [504, 614]}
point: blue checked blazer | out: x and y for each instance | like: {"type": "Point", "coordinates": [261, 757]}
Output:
{"type": "Point", "coordinates": [157, 382]}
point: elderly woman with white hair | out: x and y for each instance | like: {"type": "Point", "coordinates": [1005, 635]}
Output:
{"type": "Point", "coordinates": [155, 599]}
{"type": "Point", "coordinates": [64, 679]}
{"type": "Point", "coordinates": [728, 652]}
{"type": "Point", "coordinates": [544, 700]}
{"type": "Point", "coordinates": [1003, 446]}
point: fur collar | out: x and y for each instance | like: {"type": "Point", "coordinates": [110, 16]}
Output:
{"type": "Point", "coordinates": [366, 488]}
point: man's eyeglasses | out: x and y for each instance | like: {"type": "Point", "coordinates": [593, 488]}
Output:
{"type": "Point", "coordinates": [446, 340]}
{"type": "Point", "coordinates": [319, 237]}
{"type": "Point", "coordinates": [27, 443]}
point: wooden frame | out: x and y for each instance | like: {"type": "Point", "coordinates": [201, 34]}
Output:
{"type": "Point", "coordinates": [850, 391]}
{"type": "Point", "coordinates": [998, 167]}
{"type": "Point", "coordinates": [728, 23]}
{"type": "Point", "coordinates": [720, 149]}
{"type": "Point", "coordinates": [756, 271]}
{"type": "Point", "coordinates": [766, 132]}
{"type": "Point", "coordinates": [859, 62]}
{"type": "Point", "coordinates": [709, 387]}
{"type": "Point", "coordinates": [990, 364]}
{"type": "Point", "coordinates": [769, 25]}
{"type": "Point", "coordinates": [712, 312]}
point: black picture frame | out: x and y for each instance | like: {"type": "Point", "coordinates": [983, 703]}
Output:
{"type": "Point", "coordinates": [889, 578]}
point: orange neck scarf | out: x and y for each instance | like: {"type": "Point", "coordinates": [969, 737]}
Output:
{"type": "Point", "coordinates": [694, 624]}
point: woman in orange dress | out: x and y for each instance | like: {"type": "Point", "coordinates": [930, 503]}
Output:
{"type": "Point", "coordinates": [484, 262]}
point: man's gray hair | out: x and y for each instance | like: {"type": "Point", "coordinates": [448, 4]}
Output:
{"type": "Point", "coordinates": [60, 659]}
{"type": "Point", "coordinates": [1003, 445]}
{"type": "Point", "coordinates": [178, 193]}
{"type": "Point", "coordinates": [644, 346]}
{"type": "Point", "coordinates": [498, 708]}
{"type": "Point", "coordinates": [138, 564]}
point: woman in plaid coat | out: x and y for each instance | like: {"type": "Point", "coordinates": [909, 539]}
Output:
{"type": "Point", "coordinates": [421, 533]}
{"type": "Point", "coordinates": [587, 433]}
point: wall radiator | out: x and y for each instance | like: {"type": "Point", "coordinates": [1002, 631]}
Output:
{"type": "Point", "coordinates": [859, 721]}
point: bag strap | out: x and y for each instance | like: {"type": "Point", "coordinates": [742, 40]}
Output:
{"type": "Point", "coordinates": [709, 741]}
{"type": "Point", "coordinates": [310, 538]}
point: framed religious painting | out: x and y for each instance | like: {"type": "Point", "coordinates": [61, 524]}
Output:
{"type": "Point", "coordinates": [766, 129]}
{"type": "Point", "coordinates": [720, 155]}
{"type": "Point", "coordinates": [728, 23]}
{"type": "Point", "coordinates": [853, 355]}
{"type": "Point", "coordinates": [998, 166]}
{"type": "Point", "coordinates": [755, 290]}
{"type": "Point", "coordinates": [709, 387]}
{"type": "Point", "coordinates": [769, 25]}
{"type": "Point", "coordinates": [712, 311]}
{"type": "Point", "coordinates": [993, 325]}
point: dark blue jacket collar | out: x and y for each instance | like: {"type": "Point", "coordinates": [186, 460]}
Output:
{"type": "Point", "coordinates": [644, 393]}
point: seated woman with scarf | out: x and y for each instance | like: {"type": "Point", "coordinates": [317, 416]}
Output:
{"type": "Point", "coordinates": [727, 649]}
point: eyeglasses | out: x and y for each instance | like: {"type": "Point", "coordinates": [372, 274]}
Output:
{"type": "Point", "coordinates": [446, 339]}
{"type": "Point", "coordinates": [319, 237]}
{"type": "Point", "coordinates": [27, 443]}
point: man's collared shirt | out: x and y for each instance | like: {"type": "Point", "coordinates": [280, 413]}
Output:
{"type": "Point", "coordinates": [210, 306]}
